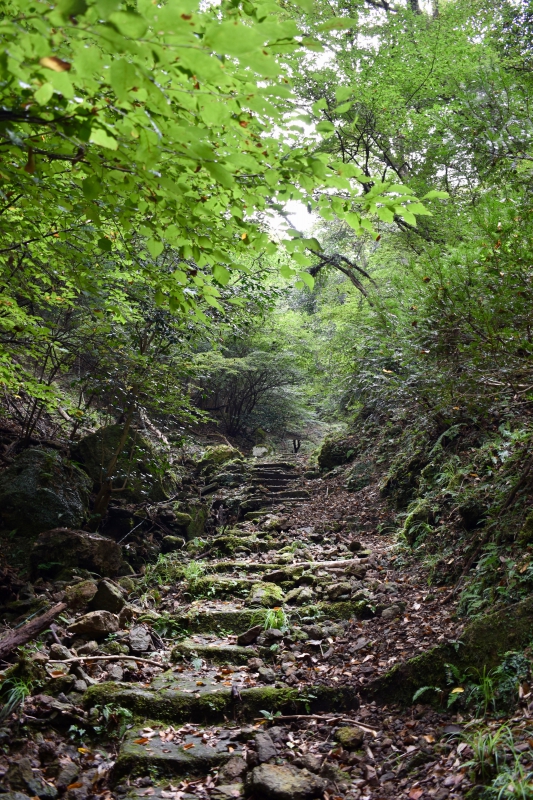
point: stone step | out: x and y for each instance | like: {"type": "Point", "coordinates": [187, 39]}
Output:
{"type": "Point", "coordinates": [177, 699]}
{"type": "Point", "coordinates": [236, 618]}
{"type": "Point", "coordinates": [175, 752]}
{"type": "Point", "coordinates": [293, 494]}
{"type": "Point", "coordinates": [275, 465]}
{"type": "Point", "coordinates": [218, 651]}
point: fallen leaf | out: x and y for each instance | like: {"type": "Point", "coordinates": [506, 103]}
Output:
{"type": "Point", "coordinates": [76, 785]}
{"type": "Point", "coordinates": [143, 740]}
{"type": "Point", "coordinates": [415, 793]}
{"type": "Point", "coordinates": [188, 746]}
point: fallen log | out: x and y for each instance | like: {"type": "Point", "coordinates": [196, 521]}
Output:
{"type": "Point", "coordinates": [28, 631]}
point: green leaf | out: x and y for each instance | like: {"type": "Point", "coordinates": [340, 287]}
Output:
{"type": "Point", "coordinates": [129, 23]}
{"type": "Point", "coordinates": [44, 93]}
{"type": "Point", "coordinates": [319, 105]}
{"type": "Point", "coordinates": [91, 188]}
{"type": "Point", "coordinates": [221, 274]}
{"type": "Point", "coordinates": [343, 108]}
{"type": "Point", "coordinates": [307, 279]}
{"type": "Point", "coordinates": [385, 214]}
{"type": "Point", "coordinates": [123, 77]}
{"type": "Point", "coordinates": [105, 244]}
{"type": "Point", "coordinates": [325, 126]}
{"type": "Point", "coordinates": [71, 8]}
{"type": "Point", "coordinates": [155, 247]}
{"type": "Point", "coordinates": [409, 217]}
{"type": "Point", "coordinates": [434, 194]}
{"type": "Point", "coordinates": [220, 174]}
{"type": "Point", "coordinates": [307, 5]}
{"type": "Point", "coordinates": [233, 38]}
{"type": "Point", "coordinates": [343, 93]}
{"type": "Point", "coordinates": [102, 138]}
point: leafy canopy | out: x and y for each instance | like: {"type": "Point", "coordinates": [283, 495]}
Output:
{"type": "Point", "coordinates": [150, 126]}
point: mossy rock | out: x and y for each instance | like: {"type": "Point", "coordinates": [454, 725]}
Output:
{"type": "Point", "coordinates": [63, 549]}
{"type": "Point", "coordinates": [214, 457]}
{"type": "Point", "coordinates": [482, 646]}
{"type": "Point", "coordinates": [334, 452]}
{"type": "Point", "coordinates": [419, 513]}
{"type": "Point", "coordinates": [139, 465]}
{"type": "Point", "coordinates": [211, 704]}
{"type": "Point", "coordinates": [212, 586]}
{"type": "Point", "coordinates": [40, 491]}
{"type": "Point", "coordinates": [212, 652]}
{"type": "Point", "coordinates": [267, 595]}
{"type": "Point", "coordinates": [191, 518]}
{"type": "Point", "coordinates": [360, 476]}
{"type": "Point", "coordinates": [401, 483]}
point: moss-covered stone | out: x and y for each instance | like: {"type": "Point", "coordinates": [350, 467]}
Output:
{"type": "Point", "coordinates": [482, 645]}
{"type": "Point", "coordinates": [138, 465]}
{"type": "Point", "coordinates": [216, 652]}
{"type": "Point", "coordinates": [79, 595]}
{"type": "Point", "coordinates": [336, 451]}
{"type": "Point", "coordinates": [267, 595]}
{"type": "Point", "coordinates": [40, 491]}
{"type": "Point", "coordinates": [208, 620]}
{"type": "Point", "coordinates": [359, 476]}
{"type": "Point", "coordinates": [213, 586]}
{"type": "Point", "coordinates": [174, 705]}
{"type": "Point", "coordinates": [62, 548]}
{"type": "Point", "coordinates": [214, 457]}
{"type": "Point", "coordinates": [166, 758]}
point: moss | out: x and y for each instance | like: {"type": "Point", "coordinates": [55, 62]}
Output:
{"type": "Point", "coordinates": [482, 645]}
{"type": "Point", "coordinates": [336, 451]}
{"type": "Point", "coordinates": [211, 586]}
{"type": "Point", "coordinates": [526, 533]}
{"type": "Point", "coordinates": [214, 621]}
{"type": "Point", "coordinates": [214, 457]}
{"type": "Point", "coordinates": [175, 706]}
{"type": "Point", "coordinates": [218, 654]}
{"type": "Point", "coordinates": [268, 595]}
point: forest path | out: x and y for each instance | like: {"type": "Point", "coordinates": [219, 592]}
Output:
{"type": "Point", "coordinates": [270, 644]}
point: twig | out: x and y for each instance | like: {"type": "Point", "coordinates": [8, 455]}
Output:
{"type": "Point", "coordinates": [107, 658]}
{"type": "Point", "coordinates": [360, 725]}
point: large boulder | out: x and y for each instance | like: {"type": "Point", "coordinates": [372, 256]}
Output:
{"type": "Point", "coordinates": [42, 490]}
{"type": "Point", "coordinates": [139, 467]}
{"type": "Point", "coordinates": [214, 457]}
{"type": "Point", "coordinates": [63, 548]}
{"type": "Point", "coordinates": [335, 452]}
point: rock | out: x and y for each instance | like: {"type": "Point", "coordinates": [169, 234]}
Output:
{"type": "Point", "coordinates": [68, 772]}
{"type": "Point", "coordinates": [265, 747]}
{"type": "Point", "coordinates": [267, 595]}
{"type": "Point", "coordinates": [249, 636]}
{"type": "Point", "coordinates": [116, 649]}
{"type": "Point", "coordinates": [225, 790]}
{"type": "Point", "coordinates": [79, 595]}
{"type": "Point", "coordinates": [232, 770]}
{"type": "Point", "coordinates": [269, 637]}
{"type": "Point", "coordinates": [89, 649]}
{"type": "Point", "coordinates": [350, 738]}
{"type": "Point", "coordinates": [255, 664]}
{"type": "Point", "coordinates": [96, 623]}
{"type": "Point", "coordinates": [15, 796]}
{"type": "Point", "coordinates": [63, 548]}
{"type": "Point", "coordinates": [391, 612]}
{"type": "Point", "coordinates": [335, 452]}
{"type": "Point", "coordinates": [355, 546]}
{"type": "Point", "coordinates": [115, 672]}
{"type": "Point", "coordinates": [310, 761]}
{"type": "Point", "coordinates": [273, 782]}
{"type": "Point", "coordinates": [181, 519]}
{"type": "Point", "coordinates": [40, 491]}
{"type": "Point", "coordinates": [108, 598]}
{"type": "Point", "coordinates": [267, 674]}
{"type": "Point", "coordinates": [336, 590]}
{"type": "Point", "coordinates": [60, 651]}
{"type": "Point", "coordinates": [20, 776]}
{"type": "Point", "coordinates": [171, 543]}
{"type": "Point", "coordinates": [139, 639]}
{"type": "Point", "coordinates": [359, 476]}
{"type": "Point", "coordinates": [214, 457]}
{"type": "Point", "coordinates": [80, 685]}
{"type": "Point", "coordinates": [138, 465]}
{"type": "Point", "coordinates": [126, 615]}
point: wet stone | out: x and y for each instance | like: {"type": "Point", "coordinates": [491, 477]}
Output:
{"type": "Point", "coordinates": [139, 639]}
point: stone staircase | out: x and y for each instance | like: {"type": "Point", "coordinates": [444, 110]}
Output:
{"type": "Point", "coordinates": [204, 710]}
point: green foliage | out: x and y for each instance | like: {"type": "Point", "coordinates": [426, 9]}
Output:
{"type": "Point", "coordinates": [13, 692]}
